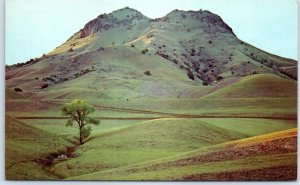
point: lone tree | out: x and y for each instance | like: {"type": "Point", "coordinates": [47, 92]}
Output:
{"type": "Point", "coordinates": [78, 111]}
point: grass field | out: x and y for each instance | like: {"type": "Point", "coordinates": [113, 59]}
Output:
{"type": "Point", "coordinates": [118, 143]}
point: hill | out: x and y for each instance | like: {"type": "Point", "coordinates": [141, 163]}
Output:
{"type": "Point", "coordinates": [24, 145]}
{"type": "Point", "coordinates": [125, 55]}
{"type": "Point", "coordinates": [228, 161]}
{"type": "Point", "coordinates": [156, 139]}
{"type": "Point", "coordinates": [263, 85]}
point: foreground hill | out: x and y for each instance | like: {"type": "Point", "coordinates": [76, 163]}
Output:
{"type": "Point", "coordinates": [24, 145]}
{"type": "Point", "coordinates": [159, 138]}
{"type": "Point", "coordinates": [228, 161]}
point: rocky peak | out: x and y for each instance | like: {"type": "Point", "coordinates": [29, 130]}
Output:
{"type": "Point", "coordinates": [207, 20]}
{"type": "Point", "coordinates": [103, 22]}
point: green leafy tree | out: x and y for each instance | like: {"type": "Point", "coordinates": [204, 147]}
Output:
{"type": "Point", "coordinates": [77, 111]}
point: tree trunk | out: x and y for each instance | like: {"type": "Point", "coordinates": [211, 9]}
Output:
{"type": "Point", "coordinates": [80, 136]}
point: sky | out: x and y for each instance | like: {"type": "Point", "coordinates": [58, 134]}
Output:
{"type": "Point", "coordinates": [34, 27]}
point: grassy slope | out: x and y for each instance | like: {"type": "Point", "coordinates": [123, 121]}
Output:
{"type": "Point", "coordinates": [208, 163]}
{"type": "Point", "coordinates": [23, 145]}
{"type": "Point", "coordinates": [119, 74]}
{"type": "Point", "coordinates": [263, 85]}
{"type": "Point", "coordinates": [156, 139]}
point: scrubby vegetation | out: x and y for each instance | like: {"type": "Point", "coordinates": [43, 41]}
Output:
{"type": "Point", "coordinates": [191, 75]}
{"type": "Point", "coordinates": [17, 89]}
{"type": "Point", "coordinates": [147, 73]}
{"type": "Point", "coordinates": [144, 51]}
{"type": "Point", "coordinates": [44, 86]}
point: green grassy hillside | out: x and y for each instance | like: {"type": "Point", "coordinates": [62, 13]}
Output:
{"type": "Point", "coordinates": [228, 161]}
{"type": "Point", "coordinates": [156, 139]}
{"type": "Point", "coordinates": [24, 145]}
{"type": "Point", "coordinates": [264, 85]}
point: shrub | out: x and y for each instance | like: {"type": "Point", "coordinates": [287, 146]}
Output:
{"type": "Point", "coordinates": [210, 42]}
{"type": "Point", "coordinates": [36, 78]}
{"type": "Point", "coordinates": [70, 50]}
{"type": "Point", "coordinates": [204, 83]}
{"type": "Point", "coordinates": [132, 45]}
{"type": "Point", "coordinates": [191, 75]}
{"type": "Point", "coordinates": [145, 51]}
{"type": "Point", "coordinates": [147, 73]}
{"type": "Point", "coordinates": [44, 86]}
{"type": "Point", "coordinates": [219, 78]}
{"type": "Point", "coordinates": [17, 89]}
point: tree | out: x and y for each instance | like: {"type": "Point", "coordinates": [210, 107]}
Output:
{"type": "Point", "coordinates": [191, 75]}
{"type": "Point", "coordinates": [78, 111]}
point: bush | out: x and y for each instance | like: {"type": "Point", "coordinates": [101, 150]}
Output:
{"type": "Point", "coordinates": [210, 42]}
{"type": "Point", "coordinates": [17, 89]}
{"type": "Point", "coordinates": [44, 86]}
{"type": "Point", "coordinates": [147, 73]}
{"type": "Point", "coordinates": [219, 78]}
{"type": "Point", "coordinates": [191, 75]}
{"type": "Point", "coordinates": [145, 51]}
{"type": "Point", "coordinates": [205, 83]}
{"type": "Point", "coordinates": [70, 50]}
{"type": "Point", "coordinates": [132, 45]}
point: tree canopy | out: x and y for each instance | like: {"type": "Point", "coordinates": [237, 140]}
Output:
{"type": "Point", "coordinates": [77, 111]}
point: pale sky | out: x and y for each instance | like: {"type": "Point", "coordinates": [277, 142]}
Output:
{"type": "Point", "coordinates": [34, 27]}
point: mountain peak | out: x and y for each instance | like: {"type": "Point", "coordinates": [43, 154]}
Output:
{"type": "Point", "coordinates": [205, 19]}
{"type": "Point", "coordinates": [123, 16]}
{"type": "Point", "coordinates": [125, 9]}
